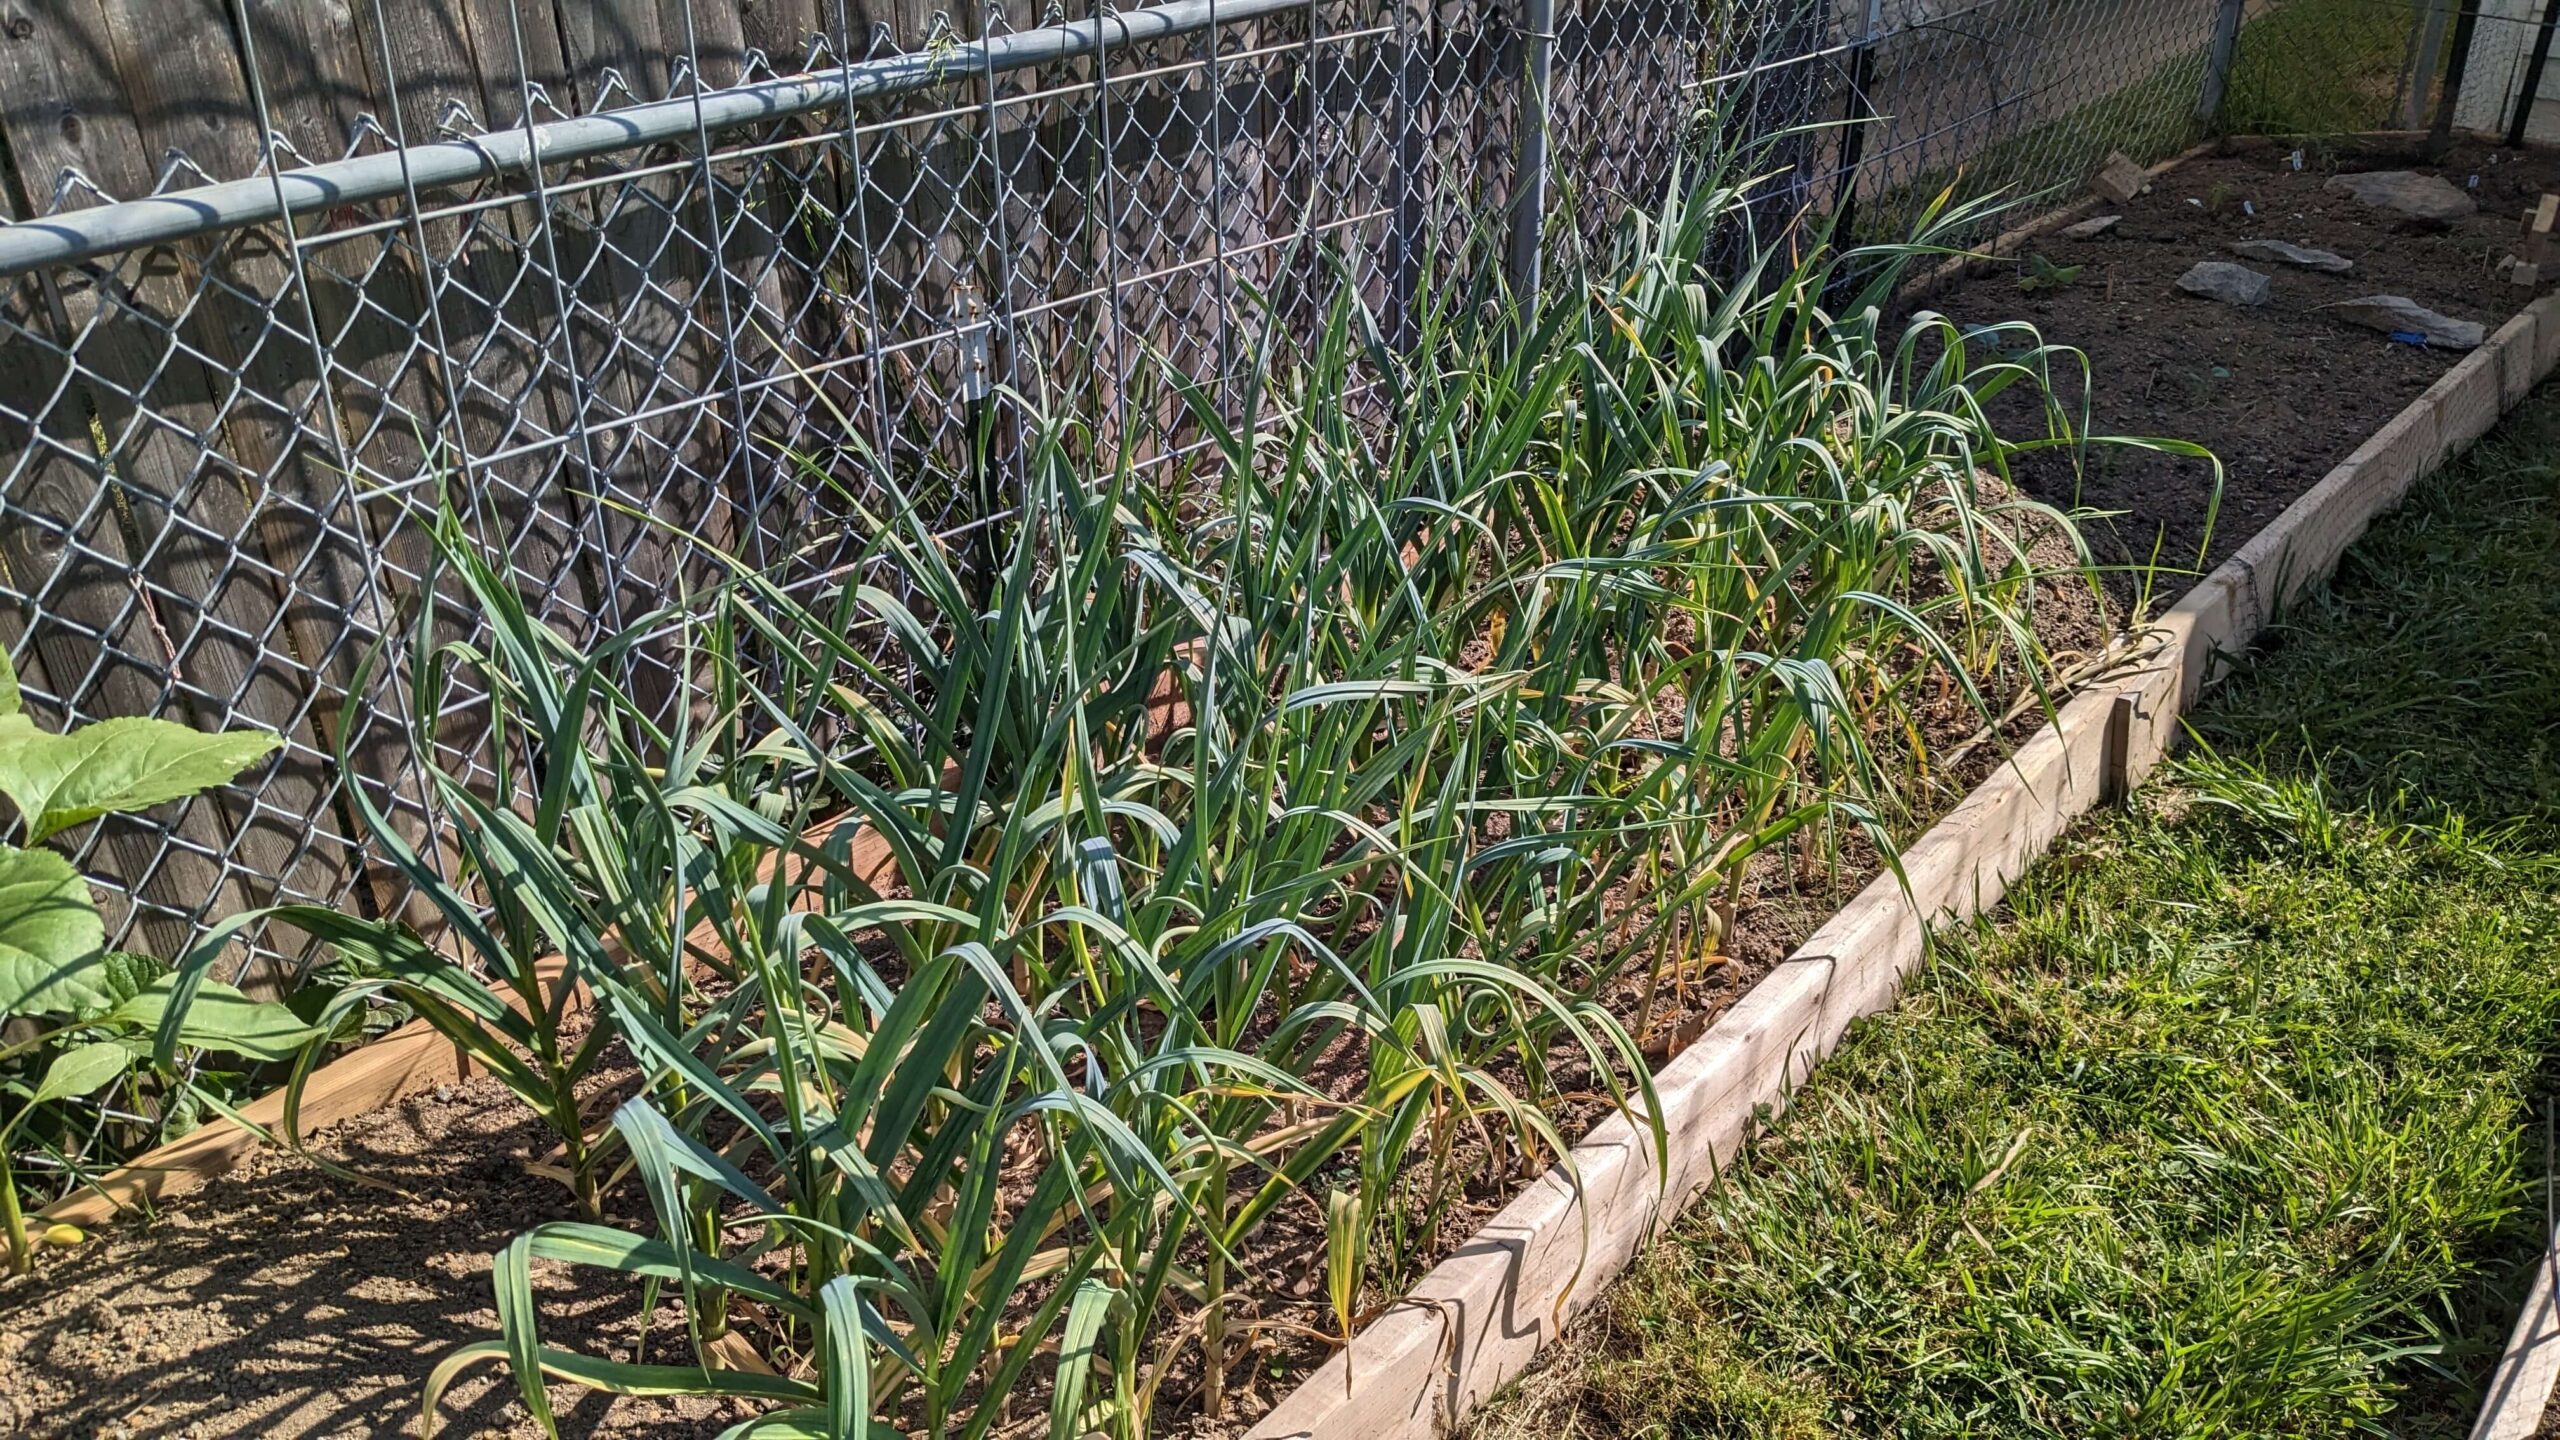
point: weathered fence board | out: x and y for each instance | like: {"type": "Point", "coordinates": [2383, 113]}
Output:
{"type": "Point", "coordinates": [220, 448]}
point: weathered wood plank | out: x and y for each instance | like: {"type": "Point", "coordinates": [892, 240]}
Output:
{"type": "Point", "coordinates": [268, 536]}
{"type": "Point", "coordinates": [781, 29]}
{"type": "Point", "coordinates": [64, 114]}
{"type": "Point", "coordinates": [2520, 1388]}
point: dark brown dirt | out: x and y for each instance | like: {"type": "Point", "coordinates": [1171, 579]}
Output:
{"type": "Point", "coordinates": [2282, 392]}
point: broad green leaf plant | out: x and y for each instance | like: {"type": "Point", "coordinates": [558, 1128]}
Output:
{"type": "Point", "coordinates": [79, 1016]}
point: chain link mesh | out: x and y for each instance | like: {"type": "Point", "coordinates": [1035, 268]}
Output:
{"type": "Point", "coordinates": [220, 446]}
{"type": "Point", "coordinates": [2328, 66]}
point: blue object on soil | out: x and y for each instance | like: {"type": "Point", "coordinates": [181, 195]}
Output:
{"type": "Point", "coordinates": [2409, 337]}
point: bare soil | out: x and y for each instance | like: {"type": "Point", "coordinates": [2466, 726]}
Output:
{"type": "Point", "coordinates": [282, 1302]}
{"type": "Point", "coordinates": [2281, 393]}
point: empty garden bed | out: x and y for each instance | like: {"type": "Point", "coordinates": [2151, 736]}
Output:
{"type": "Point", "coordinates": [2278, 392]}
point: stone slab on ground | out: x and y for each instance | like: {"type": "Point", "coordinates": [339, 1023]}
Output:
{"type": "Point", "coordinates": [2119, 179]}
{"type": "Point", "coordinates": [2091, 229]}
{"type": "Point", "coordinates": [2400, 315]}
{"type": "Point", "coordinates": [2406, 192]}
{"type": "Point", "coordinates": [2231, 284]}
{"type": "Point", "coordinates": [2284, 253]}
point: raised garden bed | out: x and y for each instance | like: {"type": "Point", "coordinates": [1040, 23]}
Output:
{"type": "Point", "coordinates": [2278, 392]}
{"type": "Point", "coordinates": [1476, 1321]}
{"type": "Point", "coordinates": [151, 1357]}
{"type": "Point", "coordinates": [2290, 1012]}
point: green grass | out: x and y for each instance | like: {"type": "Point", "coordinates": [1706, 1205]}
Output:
{"type": "Point", "coordinates": [2227, 1127]}
{"type": "Point", "coordinates": [2318, 67]}
{"type": "Point", "coordinates": [2428, 676]}
{"type": "Point", "coordinates": [2306, 67]}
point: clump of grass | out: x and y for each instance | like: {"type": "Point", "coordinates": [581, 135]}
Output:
{"type": "Point", "coordinates": [2223, 1129]}
{"type": "Point", "coordinates": [2199, 1143]}
{"type": "Point", "coordinates": [2317, 67]}
{"type": "Point", "coordinates": [2452, 612]}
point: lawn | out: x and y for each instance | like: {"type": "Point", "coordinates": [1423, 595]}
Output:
{"type": "Point", "coordinates": [2302, 67]}
{"type": "Point", "coordinates": [2229, 1125]}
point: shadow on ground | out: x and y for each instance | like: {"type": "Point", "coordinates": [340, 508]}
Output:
{"type": "Point", "coordinates": [283, 1302]}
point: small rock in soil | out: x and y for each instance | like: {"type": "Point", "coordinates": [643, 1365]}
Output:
{"type": "Point", "coordinates": [2398, 314]}
{"type": "Point", "coordinates": [2405, 192]}
{"type": "Point", "coordinates": [2284, 254]}
{"type": "Point", "coordinates": [2091, 229]}
{"type": "Point", "coordinates": [2231, 284]}
{"type": "Point", "coordinates": [2119, 179]}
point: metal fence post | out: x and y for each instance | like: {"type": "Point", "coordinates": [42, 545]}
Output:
{"type": "Point", "coordinates": [2217, 60]}
{"type": "Point", "coordinates": [2426, 59]}
{"type": "Point", "coordinates": [1529, 192]}
{"type": "Point", "coordinates": [1405, 234]}
{"type": "Point", "coordinates": [1861, 117]}
{"type": "Point", "coordinates": [2466, 24]}
{"type": "Point", "coordinates": [2532, 90]}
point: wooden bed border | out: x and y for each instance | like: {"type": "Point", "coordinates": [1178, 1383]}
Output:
{"type": "Point", "coordinates": [1477, 1319]}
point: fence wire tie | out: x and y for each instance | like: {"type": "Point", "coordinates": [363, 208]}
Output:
{"type": "Point", "coordinates": [609, 82]}
{"type": "Point", "coordinates": [176, 163]}
{"type": "Point", "coordinates": [365, 127]}
{"type": "Point", "coordinates": [71, 180]}
{"type": "Point", "coordinates": [151, 615]}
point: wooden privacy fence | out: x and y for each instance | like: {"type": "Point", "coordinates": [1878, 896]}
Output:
{"type": "Point", "coordinates": [281, 275]}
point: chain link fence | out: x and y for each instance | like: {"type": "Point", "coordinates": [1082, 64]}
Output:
{"type": "Point", "coordinates": [278, 279]}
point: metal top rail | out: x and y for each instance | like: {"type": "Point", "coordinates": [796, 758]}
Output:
{"type": "Point", "coordinates": [104, 230]}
